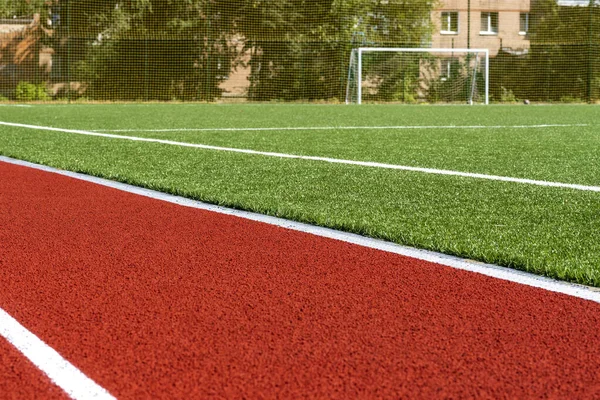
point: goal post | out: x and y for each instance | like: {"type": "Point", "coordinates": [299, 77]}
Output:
{"type": "Point", "coordinates": [412, 75]}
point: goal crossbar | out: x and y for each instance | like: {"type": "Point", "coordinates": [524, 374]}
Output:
{"type": "Point", "coordinates": [361, 50]}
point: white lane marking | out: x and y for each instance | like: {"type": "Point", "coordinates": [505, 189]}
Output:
{"type": "Point", "coordinates": [313, 158]}
{"type": "Point", "coordinates": [62, 373]}
{"type": "Point", "coordinates": [327, 128]}
{"type": "Point", "coordinates": [495, 271]}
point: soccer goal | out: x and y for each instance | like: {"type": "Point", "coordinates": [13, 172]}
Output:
{"type": "Point", "coordinates": [418, 75]}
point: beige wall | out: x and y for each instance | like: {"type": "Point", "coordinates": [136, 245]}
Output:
{"type": "Point", "coordinates": [20, 45]}
{"type": "Point", "coordinates": [508, 36]}
{"type": "Point", "coordinates": [11, 28]}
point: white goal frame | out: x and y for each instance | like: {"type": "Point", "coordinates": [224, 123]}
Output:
{"type": "Point", "coordinates": [361, 50]}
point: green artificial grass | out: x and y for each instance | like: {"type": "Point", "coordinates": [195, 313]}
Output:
{"type": "Point", "coordinates": [567, 154]}
{"type": "Point", "coordinates": [547, 231]}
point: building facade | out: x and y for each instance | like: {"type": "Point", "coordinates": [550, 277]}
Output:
{"type": "Point", "coordinates": [484, 24]}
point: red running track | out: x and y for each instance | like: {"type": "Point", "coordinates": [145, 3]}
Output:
{"type": "Point", "coordinates": [20, 379]}
{"type": "Point", "coordinates": [155, 300]}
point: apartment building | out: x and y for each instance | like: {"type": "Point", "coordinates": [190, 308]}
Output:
{"type": "Point", "coordinates": [490, 24]}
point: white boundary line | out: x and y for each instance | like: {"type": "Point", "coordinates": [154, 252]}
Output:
{"type": "Point", "coordinates": [313, 158]}
{"type": "Point", "coordinates": [491, 270]}
{"type": "Point", "coordinates": [16, 105]}
{"type": "Point", "coordinates": [62, 373]}
{"type": "Point", "coordinates": [339, 128]}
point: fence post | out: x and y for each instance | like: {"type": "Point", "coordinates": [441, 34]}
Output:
{"type": "Point", "coordinates": [590, 50]}
{"type": "Point", "coordinates": [68, 52]}
{"type": "Point", "coordinates": [146, 83]}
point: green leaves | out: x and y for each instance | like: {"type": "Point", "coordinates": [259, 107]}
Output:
{"type": "Point", "coordinates": [21, 8]}
{"type": "Point", "coordinates": [181, 49]}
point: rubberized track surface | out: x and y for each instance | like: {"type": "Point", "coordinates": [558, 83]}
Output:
{"type": "Point", "coordinates": [20, 379]}
{"type": "Point", "coordinates": [151, 299]}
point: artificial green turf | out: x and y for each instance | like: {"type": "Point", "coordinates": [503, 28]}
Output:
{"type": "Point", "coordinates": [544, 230]}
{"type": "Point", "coordinates": [561, 154]}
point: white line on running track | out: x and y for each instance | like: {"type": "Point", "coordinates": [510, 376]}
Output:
{"type": "Point", "coordinates": [314, 158]}
{"type": "Point", "coordinates": [495, 271]}
{"type": "Point", "coordinates": [60, 371]}
{"type": "Point", "coordinates": [327, 128]}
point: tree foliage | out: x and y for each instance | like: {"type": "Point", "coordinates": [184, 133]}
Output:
{"type": "Point", "coordinates": [564, 59]}
{"type": "Point", "coordinates": [301, 48]}
{"type": "Point", "coordinates": [20, 8]}
{"type": "Point", "coordinates": [164, 49]}
{"type": "Point", "coordinates": [566, 49]}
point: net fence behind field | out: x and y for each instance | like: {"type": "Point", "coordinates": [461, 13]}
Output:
{"type": "Point", "coordinates": [291, 50]}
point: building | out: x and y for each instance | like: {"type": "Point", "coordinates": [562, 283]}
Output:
{"type": "Point", "coordinates": [485, 24]}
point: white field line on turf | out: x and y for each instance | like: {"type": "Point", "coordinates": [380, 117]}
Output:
{"type": "Point", "coordinates": [507, 274]}
{"type": "Point", "coordinates": [327, 128]}
{"type": "Point", "coordinates": [60, 371]}
{"type": "Point", "coordinates": [16, 105]}
{"type": "Point", "coordinates": [313, 158]}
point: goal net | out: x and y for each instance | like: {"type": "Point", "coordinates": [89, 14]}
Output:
{"type": "Point", "coordinates": [414, 75]}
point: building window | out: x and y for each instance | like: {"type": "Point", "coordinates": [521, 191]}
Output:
{"type": "Point", "coordinates": [489, 23]}
{"type": "Point", "coordinates": [450, 22]}
{"type": "Point", "coordinates": [524, 24]}
{"type": "Point", "coordinates": [446, 69]}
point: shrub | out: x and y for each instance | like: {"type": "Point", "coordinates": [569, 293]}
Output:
{"type": "Point", "coordinates": [26, 91]}
{"type": "Point", "coordinates": [571, 99]}
{"type": "Point", "coordinates": [507, 96]}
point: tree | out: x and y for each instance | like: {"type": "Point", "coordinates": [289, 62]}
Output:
{"type": "Point", "coordinates": [565, 51]}
{"type": "Point", "coordinates": [165, 49]}
{"type": "Point", "coordinates": [21, 8]}
{"type": "Point", "coordinates": [148, 49]}
{"type": "Point", "coordinates": [301, 48]}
